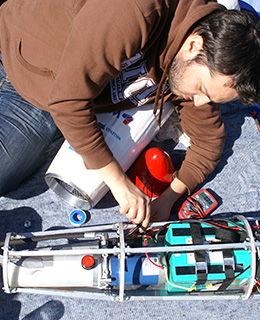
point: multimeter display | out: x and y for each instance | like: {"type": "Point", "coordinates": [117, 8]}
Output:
{"type": "Point", "coordinates": [198, 205]}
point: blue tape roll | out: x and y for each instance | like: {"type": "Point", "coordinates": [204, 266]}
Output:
{"type": "Point", "coordinates": [77, 217]}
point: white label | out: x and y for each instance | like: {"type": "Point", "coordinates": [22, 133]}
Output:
{"type": "Point", "coordinates": [149, 269]}
{"type": "Point", "coordinates": [215, 257]}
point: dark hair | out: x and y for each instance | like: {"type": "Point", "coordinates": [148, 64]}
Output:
{"type": "Point", "coordinates": [232, 47]}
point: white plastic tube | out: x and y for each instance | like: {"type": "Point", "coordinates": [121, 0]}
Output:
{"type": "Point", "coordinates": [127, 133]}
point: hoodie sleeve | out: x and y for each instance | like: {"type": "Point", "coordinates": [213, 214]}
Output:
{"type": "Point", "coordinates": [205, 128]}
{"type": "Point", "coordinates": [97, 44]}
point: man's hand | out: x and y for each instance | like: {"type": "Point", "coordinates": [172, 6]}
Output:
{"type": "Point", "coordinates": [132, 201]}
{"type": "Point", "coordinates": [161, 207]}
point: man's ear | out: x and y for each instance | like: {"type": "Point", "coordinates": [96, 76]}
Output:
{"type": "Point", "coordinates": [192, 46]}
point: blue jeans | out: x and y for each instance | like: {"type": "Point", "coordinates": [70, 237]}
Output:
{"type": "Point", "coordinates": [25, 134]}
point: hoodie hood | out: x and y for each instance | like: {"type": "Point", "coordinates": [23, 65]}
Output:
{"type": "Point", "coordinates": [186, 14]}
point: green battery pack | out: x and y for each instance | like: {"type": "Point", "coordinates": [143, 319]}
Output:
{"type": "Point", "coordinates": [203, 270]}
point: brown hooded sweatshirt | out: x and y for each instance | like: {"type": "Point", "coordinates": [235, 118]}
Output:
{"type": "Point", "coordinates": [76, 58]}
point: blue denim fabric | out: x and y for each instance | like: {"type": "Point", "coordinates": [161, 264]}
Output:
{"type": "Point", "coordinates": [25, 134]}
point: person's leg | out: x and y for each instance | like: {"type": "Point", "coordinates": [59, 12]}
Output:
{"type": "Point", "coordinates": [25, 134]}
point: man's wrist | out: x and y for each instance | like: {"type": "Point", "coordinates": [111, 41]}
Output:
{"type": "Point", "coordinates": [112, 173]}
{"type": "Point", "coordinates": [178, 188]}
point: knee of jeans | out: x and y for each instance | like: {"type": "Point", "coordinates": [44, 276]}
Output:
{"type": "Point", "coordinates": [12, 175]}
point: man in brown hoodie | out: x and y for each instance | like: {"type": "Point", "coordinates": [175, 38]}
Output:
{"type": "Point", "coordinates": [66, 60]}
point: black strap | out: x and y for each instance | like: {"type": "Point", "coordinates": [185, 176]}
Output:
{"type": "Point", "coordinates": [227, 235]}
{"type": "Point", "coordinates": [229, 268]}
{"type": "Point", "coordinates": [201, 266]}
{"type": "Point", "coordinates": [258, 270]}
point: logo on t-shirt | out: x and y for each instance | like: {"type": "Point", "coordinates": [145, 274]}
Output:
{"type": "Point", "coordinates": [133, 83]}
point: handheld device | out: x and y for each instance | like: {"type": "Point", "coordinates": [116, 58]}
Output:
{"type": "Point", "coordinates": [197, 206]}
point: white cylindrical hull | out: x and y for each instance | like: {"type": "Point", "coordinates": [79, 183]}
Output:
{"type": "Point", "coordinates": [127, 133]}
